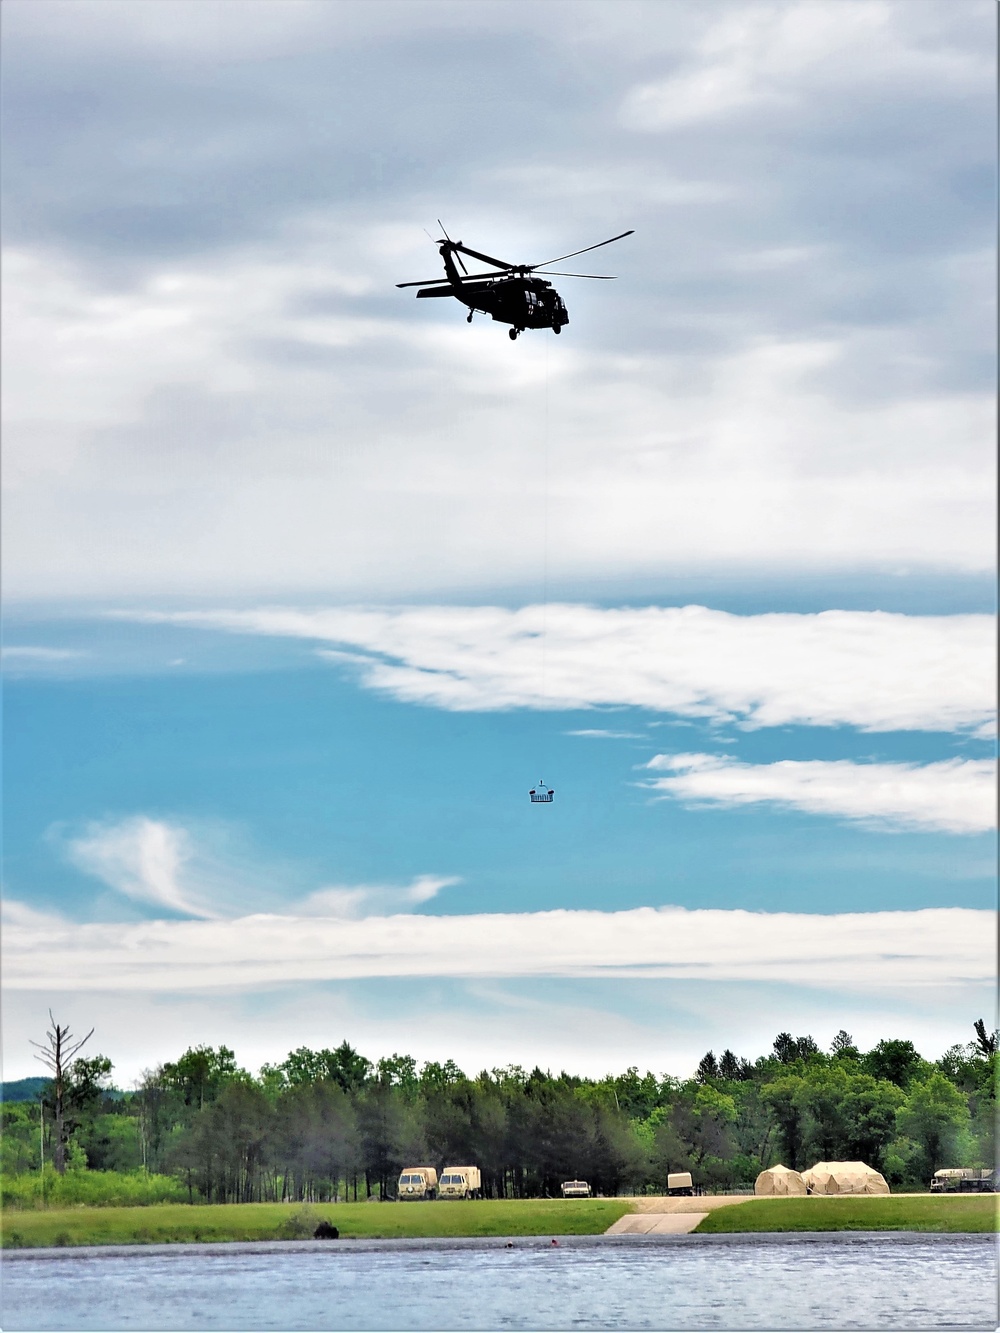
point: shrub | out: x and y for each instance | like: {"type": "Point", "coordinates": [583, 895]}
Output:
{"type": "Point", "coordinates": [300, 1225]}
{"type": "Point", "coordinates": [96, 1188]}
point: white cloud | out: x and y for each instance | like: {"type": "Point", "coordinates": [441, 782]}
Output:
{"type": "Point", "coordinates": [937, 946]}
{"type": "Point", "coordinates": [364, 900]}
{"type": "Point", "coordinates": [27, 654]}
{"type": "Point", "coordinates": [142, 858]}
{"type": "Point", "coordinates": [202, 874]}
{"type": "Point", "coordinates": [212, 384]}
{"type": "Point", "coordinates": [758, 57]}
{"type": "Point", "coordinates": [872, 670]}
{"type": "Point", "coordinates": [954, 795]}
{"type": "Point", "coordinates": [598, 733]}
{"type": "Point", "coordinates": [140, 416]}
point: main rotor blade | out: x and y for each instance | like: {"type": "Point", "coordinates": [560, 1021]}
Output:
{"type": "Point", "coordinates": [584, 250]}
{"type": "Point", "coordinates": [487, 259]}
{"type": "Point", "coordinates": [550, 273]}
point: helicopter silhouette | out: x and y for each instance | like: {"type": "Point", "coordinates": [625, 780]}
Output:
{"type": "Point", "coordinates": [515, 295]}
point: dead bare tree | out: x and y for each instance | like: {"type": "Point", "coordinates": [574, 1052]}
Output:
{"type": "Point", "coordinates": [57, 1051]}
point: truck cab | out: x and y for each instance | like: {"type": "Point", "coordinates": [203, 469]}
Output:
{"type": "Point", "coordinates": [417, 1182]}
{"type": "Point", "coordinates": [460, 1182]}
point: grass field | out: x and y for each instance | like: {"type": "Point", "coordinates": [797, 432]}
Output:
{"type": "Point", "coordinates": [904, 1212]}
{"type": "Point", "coordinates": [275, 1221]}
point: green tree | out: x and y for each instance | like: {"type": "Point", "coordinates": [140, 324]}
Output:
{"type": "Point", "coordinates": [788, 1049]}
{"type": "Point", "coordinates": [986, 1042]}
{"type": "Point", "coordinates": [935, 1116]}
{"type": "Point", "coordinates": [897, 1061]}
{"type": "Point", "coordinates": [847, 1116]}
{"type": "Point", "coordinates": [708, 1068]}
{"type": "Point", "coordinates": [784, 1097]}
{"type": "Point", "coordinates": [200, 1075]}
{"type": "Point", "coordinates": [382, 1128]}
{"type": "Point", "coordinates": [843, 1048]}
{"type": "Point", "coordinates": [401, 1072]}
{"type": "Point", "coordinates": [19, 1131]}
{"type": "Point", "coordinates": [315, 1139]}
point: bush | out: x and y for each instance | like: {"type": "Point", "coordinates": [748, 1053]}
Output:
{"type": "Point", "coordinates": [115, 1189]}
{"type": "Point", "coordinates": [300, 1225]}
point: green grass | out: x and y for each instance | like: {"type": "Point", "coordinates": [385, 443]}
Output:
{"type": "Point", "coordinates": [858, 1213]}
{"type": "Point", "coordinates": [157, 1223]}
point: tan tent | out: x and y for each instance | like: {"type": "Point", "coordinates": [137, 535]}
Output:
{"type": "Point", "coordinates": [779, 1180]}
{"type": "Point", "coordinates": [844, 1178]}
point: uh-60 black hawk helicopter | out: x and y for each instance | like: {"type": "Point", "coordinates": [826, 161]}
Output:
{"type": "Point", "coordinates": [514, 295]}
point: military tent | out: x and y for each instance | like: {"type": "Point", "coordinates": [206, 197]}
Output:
{"type": "Point", "coordinates": [844, 1178]}
{"type": "Point", "coordinates": [779, 1180]}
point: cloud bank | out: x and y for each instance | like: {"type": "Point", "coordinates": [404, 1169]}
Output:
{"type": "Point", "coordinates": [938, 946]}
{"type": "Point", "coordinates": [954, 796]}
{"type": "Point", "coordinates": [873, 670]}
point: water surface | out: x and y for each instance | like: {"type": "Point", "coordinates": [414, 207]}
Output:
{"type": "Point", "coordinates": [804, 1282]}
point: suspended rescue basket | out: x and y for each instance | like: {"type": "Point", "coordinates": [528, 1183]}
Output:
{"type": "Point", "coordinates": [541, 795]}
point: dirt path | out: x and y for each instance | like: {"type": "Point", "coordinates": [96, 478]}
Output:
{"type": "Point", "coordinates": [703, 1203]}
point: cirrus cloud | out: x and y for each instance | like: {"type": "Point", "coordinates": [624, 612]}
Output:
{"type": "Point", "coordinates": [953, 796]}
{"type": "Point", "coordinates": [873, 670]}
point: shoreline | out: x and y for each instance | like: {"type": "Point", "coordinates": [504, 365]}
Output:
{"type": "Point", "coordinates": [419, 1244]}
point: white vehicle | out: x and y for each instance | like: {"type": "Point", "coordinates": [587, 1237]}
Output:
{"type": "Point", "coordinates": [575, 1189]}
{"type": "Point", "coordinates": [417, 1182]}
{"type": "Point", "coordinates": [460, 1182]}
{"type": "Point", "coordinates": [679, 1182]}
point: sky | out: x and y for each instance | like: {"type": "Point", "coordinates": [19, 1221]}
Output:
{"type": "Point", "coordinates": [306, 583]}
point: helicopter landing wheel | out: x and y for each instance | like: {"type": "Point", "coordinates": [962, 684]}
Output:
{"type": "Point", "coordinates": [557, 328]}
{"type": "Point", "coordinates": [468, 318]}
{"type": "Point", "coordinates": [512, 335]}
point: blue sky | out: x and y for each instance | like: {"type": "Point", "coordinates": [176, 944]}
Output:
{"type": "Point", "coordinates": [306, 583]}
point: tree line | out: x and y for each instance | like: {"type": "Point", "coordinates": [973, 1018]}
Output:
{"type": "Point", "coordinates": [330, 1124]}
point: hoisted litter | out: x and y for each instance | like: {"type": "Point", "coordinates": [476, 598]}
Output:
{"type": "Point", "coordinates": [541, 795]}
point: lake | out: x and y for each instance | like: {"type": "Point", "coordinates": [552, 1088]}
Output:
{"type": "Point", "coordinates": [803, 1282]}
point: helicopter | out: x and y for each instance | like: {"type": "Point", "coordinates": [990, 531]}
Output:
{"type": "Point", "coordinates": [515, 295]}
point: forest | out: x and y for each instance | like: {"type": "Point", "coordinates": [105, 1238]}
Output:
{"type": "Point", "coordinates": [331, 1124]}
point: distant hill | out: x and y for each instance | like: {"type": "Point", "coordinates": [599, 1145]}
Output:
{"type": "Point", "coordinates": [22, 1089]}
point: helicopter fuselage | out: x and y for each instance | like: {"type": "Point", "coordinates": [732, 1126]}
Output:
{"type": "Point", "coordinates": [521, 300]}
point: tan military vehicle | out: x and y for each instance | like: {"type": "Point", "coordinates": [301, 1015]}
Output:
{"type": "Point", "coordinates": [417, 1182]}
{"type": "Point", "coordinates": [679, 1182]}
{"type": "Point", "coordinates": [575, 1189]}
{"type": "Point", "coordinates": [460, 1182]}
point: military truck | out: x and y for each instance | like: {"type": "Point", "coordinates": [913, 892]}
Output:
{"type": "Point", "coordinates": [575, 1189]}
{"type": "Point", "coordinates": [417, 1182]}
{"type": "Point", "coordinates": [460, 1182]}
{"type": "Point", "coordinates": [679, 1182]}
{"type": "Point", "coordinates": [963, 1180]}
